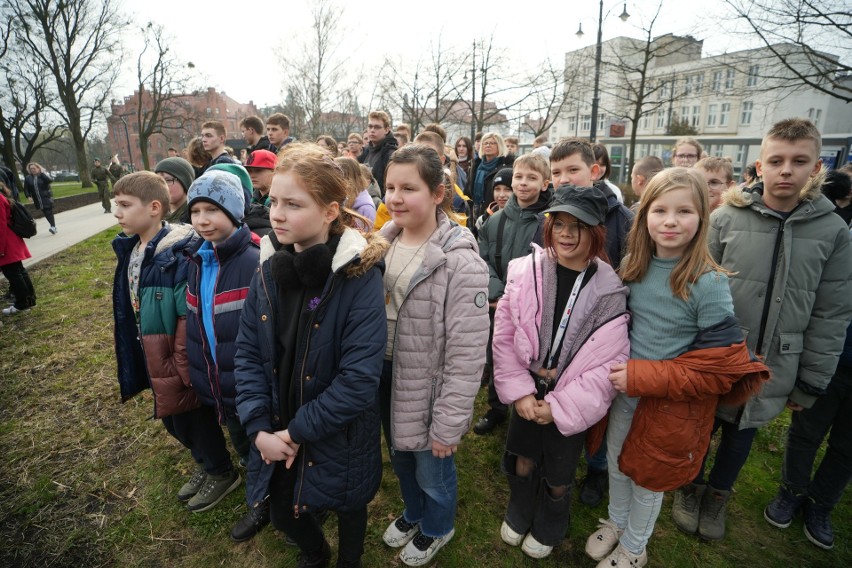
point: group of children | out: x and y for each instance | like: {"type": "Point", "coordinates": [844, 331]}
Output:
{"type": "Point", "coordinates": [635, 338]}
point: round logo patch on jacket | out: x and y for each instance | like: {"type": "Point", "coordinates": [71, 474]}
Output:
{"type": "Point", "coordinates": [480, 300]}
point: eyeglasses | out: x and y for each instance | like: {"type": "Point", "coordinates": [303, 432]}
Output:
{"type": "Point", "coordinates": [686, 156]}
{"type": "Point", "coordinates": [375, 127]}
{"type": "Point", "coordinates": [573, 228]}
{"type": "Point", "coordinates": [169, 181]}
{"type": "Point", "coordinates": [489, 143]}
{"type": "Point", "coordinates": [353, 143]}
{"type": "Point", "coordinates": [716, 184]}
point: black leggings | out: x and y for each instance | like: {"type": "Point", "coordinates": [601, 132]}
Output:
{"type": "Point", "coordinates": [305, 530]}
{"type": "Point", "coordinates": [48, 214]}
{"type": "Point", "coordinates": [20, 284]}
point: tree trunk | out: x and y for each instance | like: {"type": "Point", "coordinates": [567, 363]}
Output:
{"type": "Point", "coordinates": [143, 148]}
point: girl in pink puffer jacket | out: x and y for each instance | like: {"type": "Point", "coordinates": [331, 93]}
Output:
{"type": "Point", "coordinates": [560, 325]}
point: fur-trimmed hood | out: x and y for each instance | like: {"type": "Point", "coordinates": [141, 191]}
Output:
{"type": "Point", "coordinates": [356, 252]}
{"type": "Point", "coordinates": [812, 190]}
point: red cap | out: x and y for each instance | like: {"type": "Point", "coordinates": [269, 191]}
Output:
{"type": "Point", "coordinates": [263, 159]}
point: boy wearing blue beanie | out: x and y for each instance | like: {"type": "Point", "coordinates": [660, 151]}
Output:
{"type": "Point", "coordinates": [220, 270]}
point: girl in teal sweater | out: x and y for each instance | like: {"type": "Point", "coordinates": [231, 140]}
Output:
{"type": "Point", "coordinates": [676, 290]}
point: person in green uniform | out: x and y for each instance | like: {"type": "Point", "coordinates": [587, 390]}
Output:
{"type": "Point", "coordinates": [101, 177]}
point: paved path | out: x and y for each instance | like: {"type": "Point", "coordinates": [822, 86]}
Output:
{"type": "Point", "coordinates": [74, 226]}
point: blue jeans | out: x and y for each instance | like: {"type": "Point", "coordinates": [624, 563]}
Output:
{"type": "Point", "coordinates": [429, 485]}
{"type": "Point", "coordinates": [831, 411]}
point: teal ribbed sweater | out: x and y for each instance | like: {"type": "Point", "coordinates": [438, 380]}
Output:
{"type": "Point", "coordinates": [663, 324]}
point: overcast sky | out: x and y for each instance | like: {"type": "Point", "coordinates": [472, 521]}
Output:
{"type": "Point", "coordinates": [233, 44]}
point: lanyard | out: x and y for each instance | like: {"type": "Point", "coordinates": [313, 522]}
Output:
{"type": "Point", "coordinates": [563, 324]}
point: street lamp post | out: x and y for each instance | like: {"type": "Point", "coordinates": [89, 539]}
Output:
{"type": "Point", "coordinates": [127, 137]}
{"type": "Point", "coordinates": [593, 129]}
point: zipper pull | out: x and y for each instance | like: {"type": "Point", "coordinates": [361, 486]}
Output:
{"type": "Point", "coordinates": [295, 511]}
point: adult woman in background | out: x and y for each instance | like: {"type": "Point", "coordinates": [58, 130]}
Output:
{"type": "Point", "coordinates": [37, 187]}
{"type": "Point", "coordinates": [492, 158]}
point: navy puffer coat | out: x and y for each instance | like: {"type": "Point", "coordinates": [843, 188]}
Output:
{"type": "Point", "coordinates": [338, 363]}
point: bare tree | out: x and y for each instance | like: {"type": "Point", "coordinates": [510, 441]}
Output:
{"type": "Point", "coordinates": [494, 82]}
{"type": "Point", "coordinates": [313, 69]}
{"type": "Point", "coordinates": [26, 120]}
{"type": "Point", "coordinates": [79, 42]}
{"type": "Point", "coordinates": [162, 82]}
{"type": "Point", "coordinates": [549, 96]}
{"type": "Point", "coordinates": [809, 40]}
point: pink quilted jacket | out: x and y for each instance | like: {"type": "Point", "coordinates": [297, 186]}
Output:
{"type": "Point", "coordinates": [583, 392]}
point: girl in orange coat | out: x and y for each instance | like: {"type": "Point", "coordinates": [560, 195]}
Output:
{"type": "Point", "coordinates": [677, 293]}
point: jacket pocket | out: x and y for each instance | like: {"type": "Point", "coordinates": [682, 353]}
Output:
{"type": "Point", "coordinates": [673, 431]}
{"type": "Point", "coordinates": [790, 343]}
{"type": "Point", "coordinates": [431, 403]}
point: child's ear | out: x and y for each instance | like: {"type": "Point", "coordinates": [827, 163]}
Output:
{"type": "Point", "coordinates": [596, 171]}
{"type": "Point", "coordinates": [438, 197]}
{"type": "Point", "coordinates": [156, 207]}
{"type": "Point", "coordinates": [332, 212]}
{"type": "Point", "coordinates": [817, 167]}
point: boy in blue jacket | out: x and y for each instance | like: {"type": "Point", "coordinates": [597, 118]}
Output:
{"type": "Point", "coordinates": [149, 307]}
{"type": "Point", "coordinates": [221, 268]}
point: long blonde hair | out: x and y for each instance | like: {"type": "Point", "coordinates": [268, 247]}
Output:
{"type": "Point", "coordinates": [696, 259]}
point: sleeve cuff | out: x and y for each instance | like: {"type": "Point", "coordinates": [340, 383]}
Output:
{"type": "Point", "coordinates": [802, 398]}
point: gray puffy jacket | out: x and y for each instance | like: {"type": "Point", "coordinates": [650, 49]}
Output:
{"type": "Point", "coordinates": [439, 349]}
{"type": "Point", "coordinates": [798, 307]}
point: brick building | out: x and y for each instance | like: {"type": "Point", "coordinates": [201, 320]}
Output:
{"type": "Point", "coordinates": [186, 114]}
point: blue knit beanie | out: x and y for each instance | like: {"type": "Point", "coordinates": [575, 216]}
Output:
{"type": "Point", "coordinates": [222, 189]}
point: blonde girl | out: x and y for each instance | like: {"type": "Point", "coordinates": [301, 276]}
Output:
{"type": "Point", "coordinates": [677, 295]}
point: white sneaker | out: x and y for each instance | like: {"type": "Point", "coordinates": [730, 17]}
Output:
{"type": "Point", "coordinates": [422, 549]}
{"type": "Point", "coordinates": [53, 230]}
{"type": "Point", "coordinates": [534, 549]}
{"type": "Point", "coordinates": [12, 310]}
{"type": "Point", "coordinates": [604, 540]}
{"type": "Point", "coordinates": [399, 532]}
{"type": "Point", "coordinates": [509, 536]}
{"type": "Point", "coordinates": [623, 558]}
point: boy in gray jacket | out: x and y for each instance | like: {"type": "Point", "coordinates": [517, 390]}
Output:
{"type": "Point", "coordinates": [791, 265]}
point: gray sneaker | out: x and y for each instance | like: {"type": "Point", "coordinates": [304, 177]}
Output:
{"type": "Point", "coordinates": [711, 519]}
{"type": "Point", "coordinates": [214, 489]}
{"type": "Point", "coordinates": [192, 486]}
{"type": "Point", "coordinates": [687, 502]}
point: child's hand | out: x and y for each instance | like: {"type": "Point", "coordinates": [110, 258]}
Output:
{"type": "Point", "coordinates": [525, 407]}
{"type": "Point", "coordinates": [618, 377]}
{"type": "Point", "coordinates": [543, 413]}
{"type": "Point", "coordinates": [271, 447]}
{"type": "Point", "coordinates": [284, 436]}
{"type": "Point", "coordinates": [439, 450]}
{"type": "Point", "coordinates": [795, 407]}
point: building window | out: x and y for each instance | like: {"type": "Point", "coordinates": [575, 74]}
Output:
{"type": "Point", "coordinates": [209, 110]}
{"type": "Point", "coordinates": [753, 71]}
{"type": "Point", "coordinates": [664, 90]}
{"type": "Point", "coordinates": [698, 83]}
{"type": "Point", "coordinates": [687, 85]}
{"type": "Point", "coordinates": [729, 78]}
{"type": "Point", "coordinates": [601, 122]}
{"type": "Point", "coordinates": [572, 124]}
{"type": "Point", "coordinates": [217, 110]}
{"type": "Point", "coordinates": [741, 153]}
{"type": "Point", "coordinates": [661, 118]}
{"type": "Point", "coordinates": [818, 116]}
{"type": "Point", "coordinates": [745, 118]}
{"type": "Point", "coordinates": [720, 150]}
{"type": "Point", "coordinates": [684, 114]}
{"type": "Point", "coordinates": [696, 115]}
{"type": "Point", "coordinates": [717, 82]}
{"type": "Point", "coordinates": [646, 122]}
{"type": "Point", "coordinates": [587, 122]}
{"type": "Point", "coordinates": [711, 115]}
{"type": "Point", "coordinates": [723, 114]}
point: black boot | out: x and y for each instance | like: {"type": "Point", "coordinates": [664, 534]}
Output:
{"type": "Point", "coordinates": [316, 559]}
{"type": "Point", "coordinates": [252, 523]}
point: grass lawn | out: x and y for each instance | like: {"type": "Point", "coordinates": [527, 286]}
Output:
{"type": "Point", "coordinates": [86, 481]}
{"type": "Point", "coordinates": [65, 189]}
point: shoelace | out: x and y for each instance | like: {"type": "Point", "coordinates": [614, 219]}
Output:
{"type": "Point", "coordinates": [423, 542]}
